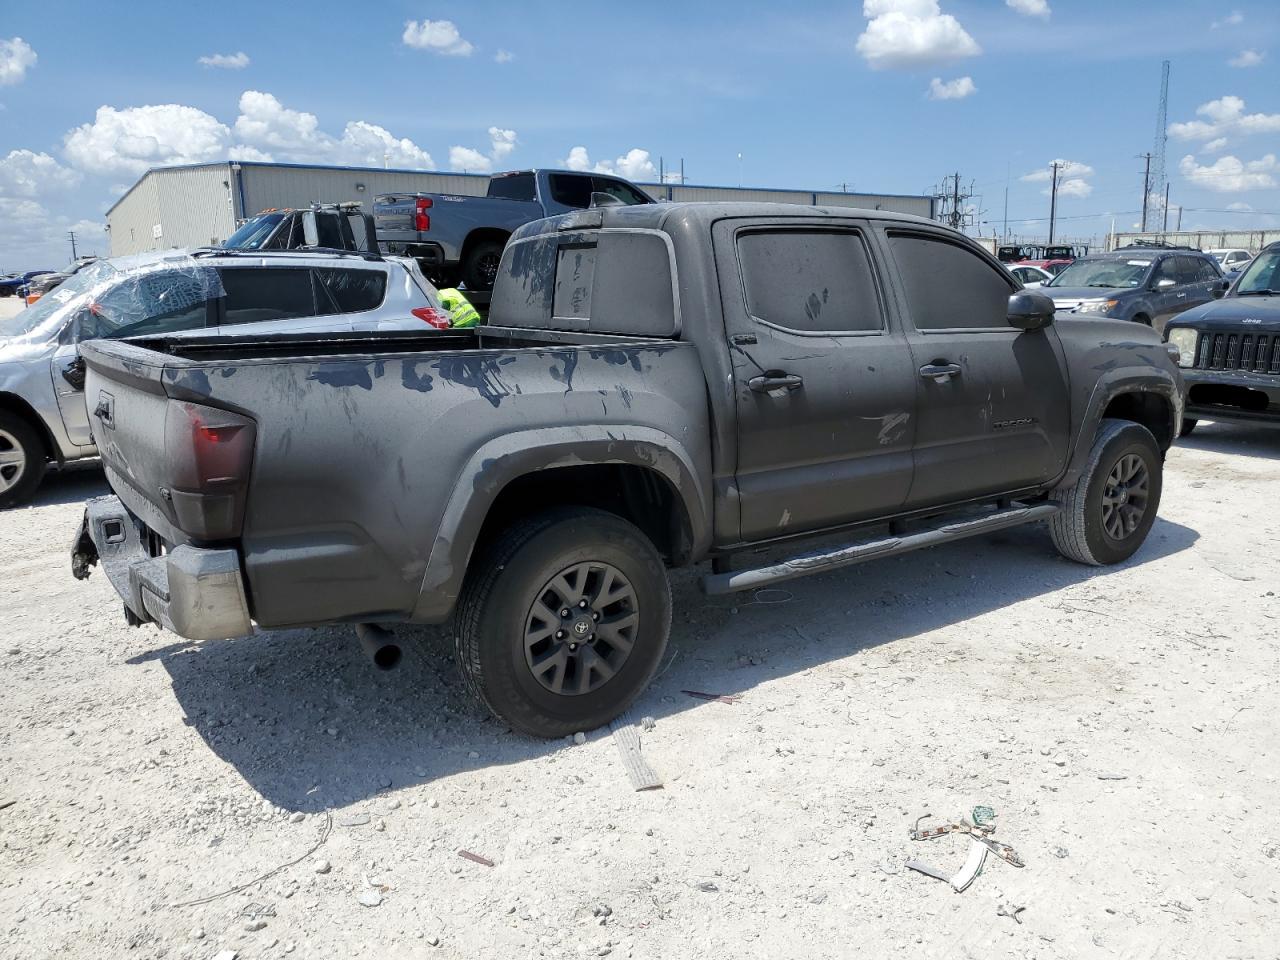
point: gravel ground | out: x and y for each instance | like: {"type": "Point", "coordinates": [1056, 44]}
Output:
{"type": "Point", "coordinates": [1121, 722]}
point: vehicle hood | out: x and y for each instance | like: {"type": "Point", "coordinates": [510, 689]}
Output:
{"type": "Point", "coordinates": [1240, 314]}
{"type": "Point", "coordinates": [1068, 298]}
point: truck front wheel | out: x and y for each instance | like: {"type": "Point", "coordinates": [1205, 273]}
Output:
{"type": "Point", "coordinates": [1107, 514]}
{"type": "Point", "coordinates": [563, 621]}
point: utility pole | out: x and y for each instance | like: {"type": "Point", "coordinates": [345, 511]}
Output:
{"type": "Point", "coordinates": [72, 235]}
{"type": "Point", "coordinates": [1146, 187]}
{"type": "Point", "coordinates": [1165, 228]}
{"type": "Point", "coordinates": [1053, 199]}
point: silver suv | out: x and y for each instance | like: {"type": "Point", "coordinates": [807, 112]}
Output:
{"type": "Point", "coordinates": [42, 406]}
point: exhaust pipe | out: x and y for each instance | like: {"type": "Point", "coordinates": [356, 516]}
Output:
{"type": "Point", "coordinates": [379, 645]}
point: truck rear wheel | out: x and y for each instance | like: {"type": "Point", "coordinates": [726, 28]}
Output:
{"type": "Point", "coordinates": [563, 621]}
{"type": "Point", "coordinates": [480, 269]}
{"type": "Point", "coordinates": [21, 460]}
{"type": "Point", "coordinates": [1107, 514]}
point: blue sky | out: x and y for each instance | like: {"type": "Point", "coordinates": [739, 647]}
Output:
{"type": "Point", "coordinates": [812, 95]}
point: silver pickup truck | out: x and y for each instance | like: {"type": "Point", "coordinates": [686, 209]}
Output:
{"type": "Point", "coordinates": [456, 238]}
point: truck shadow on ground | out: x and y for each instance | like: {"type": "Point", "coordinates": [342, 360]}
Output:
{"type": "Point", "coordinates": [1236, 438]}
{"type": "Point", "coordinates": [72, 484]}
{"type": "Point", "coordinates": [309, 723]}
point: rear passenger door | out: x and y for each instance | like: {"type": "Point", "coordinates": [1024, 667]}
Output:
{"type": "Point", "coordinates": [993, 413]}
{"type": "Point", "coordinates": [823, 384]}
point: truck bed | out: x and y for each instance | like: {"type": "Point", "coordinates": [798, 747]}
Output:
{"type": "Point", "coordinates": [363, 439]}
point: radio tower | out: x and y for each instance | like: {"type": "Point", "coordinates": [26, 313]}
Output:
{"type": "Point", "coordinates": [1157, 183]}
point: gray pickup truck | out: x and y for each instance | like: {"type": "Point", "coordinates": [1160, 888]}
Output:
{"type": "Point", "coordinates": [456, 238]}
{"type": "Point", "coordinates": [658, 386]}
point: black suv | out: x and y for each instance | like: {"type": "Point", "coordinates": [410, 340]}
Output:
{"type": "Point", "coordinates": [1149, 285]}
{"type": "Point", "coordinates": [1230, 349]}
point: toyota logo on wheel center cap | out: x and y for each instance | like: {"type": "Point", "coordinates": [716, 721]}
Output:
{"type": "Point", "coordinates": [582, 627]}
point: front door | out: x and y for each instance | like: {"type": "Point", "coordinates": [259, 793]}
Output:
{"type": "Point", "coordinates": [68, 386]}
{"type": "Point", "coordinates": [823, 384]}
{"type": "Point", "coordinates": [993, 405]}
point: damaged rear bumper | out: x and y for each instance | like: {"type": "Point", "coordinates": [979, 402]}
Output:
{"type": "Point", "coordinates": [195, 592]}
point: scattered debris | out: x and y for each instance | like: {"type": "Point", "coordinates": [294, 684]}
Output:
{"type": "Point", "coordinates": [965, 875]}
{"type": "Point", "coordinates": [297, 816]}
{"type": "Point", "coordinates": [1113, 776]}
{"type": "Point", "coordinates": [579, 738]}
{"type": "Point", "coordinates": [1060, 853]}
{"type": "Point", "coordinates": [648, 723]}
{"type": "Point", "coordinates": [980, 844]}
{"type": "Point", "coordinates": [720, 697]}
{"type": "Point", "coordinates": [1009, 910]}
{"type": "Point", "coordinates": [5, 804]}
{"type": "Point", "coordinates": [370, 898]}
{"type": "Point", "coordinates": [354, 820]}
{"type": "Point", "coordinates": [255, 911]}
{"type": "Point", "coordinates": [253, 926]}
{"type": "Point", "coordinates": [708, 886]}
{"type": "Point", "coordinates": [627, 739]}
{"type": "Point", "coordinates": [322, 866]}
{"type": "Point", "coordinates": [475, 858]}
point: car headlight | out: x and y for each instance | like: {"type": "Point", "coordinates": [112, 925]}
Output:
{"type": "Point", "coordinates": [1097, 306]}
{"type": "Point", "coordinates": [1185, 341]}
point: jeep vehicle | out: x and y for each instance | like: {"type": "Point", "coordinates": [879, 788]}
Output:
{"type": "Point", "coordinates": [658, 385]}
{"type": "Point", "coordinates": [460, 239]}
{"type": "Point", "coordinates": [42, 407]}
{"type": "Point", "coordinates": [1230, 349]}
{"type": "Point", "coordinates": [1148, 285]}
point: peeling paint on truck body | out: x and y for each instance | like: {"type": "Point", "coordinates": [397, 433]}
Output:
{"type": "Point", "coordinates": [624, 338]}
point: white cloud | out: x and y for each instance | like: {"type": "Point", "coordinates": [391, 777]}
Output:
{"type": "Point", "coordinates": [578, 159]}
{"type": "Point", "coordinates": [242, 151]}
{"type": "Point", "coordinates": [25, 173]}
{"type": "Point", "coordinates": [1030, 8]}
{"type": "Point", "coordinates": [1225, 116]}
{"type": "Point", "coordinates": [912, 33]}
{"type": "Point", "coordinates": [635, 164]}
{"type": "Point", "coordinates": [1213, 146]}
{"type": "Point", "coordinates": [436, 36]}
{"type": "Point", "coordinates": [266, 122]}
{"type": "Point", "coordinates": [1247, 58]}
{"type": "Point", "coordinates": [1240, 207]}
{"type": "Point", "coordinates": [16, 58]}
{"type": "Point", "coordinates": [1233, 19]}
{"type": "Point", "coordinates": [1230, 175]}
{"type": "Point", "coordinates": [367, 144]}
{"type": "Point", "coordinates": [1074, 188]}
{"type": "Point", "coordinates": [956, 89]}
{"type": "Point", "coordinates": [129, 141]}
{"type": "Point", "coordinates": [501, 144]}
{"type": "Point", "coordinates": [503, 56]}
{"type": "Point", "coordinates": [227, 61]}
{"type": "Point", "coordinates": [17, 211]}
{"type": "Point", "coordinates": [1067, 170]}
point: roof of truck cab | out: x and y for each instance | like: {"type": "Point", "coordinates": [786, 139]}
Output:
{"type": "Point", "coordinates": [658, 214]}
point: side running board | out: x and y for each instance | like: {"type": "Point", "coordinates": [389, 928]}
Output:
{"type": "Point", "coordinates": [847, 556]}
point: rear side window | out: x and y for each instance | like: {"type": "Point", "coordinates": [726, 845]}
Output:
{"type": "Point", "coordinates": [571, 190]}
{"type": "Point", "coordinates": [256, 294]}
{"type": "Point", "coordinates": [1167, 269]}
{"type": "Point", "coordinates": [811, 280]}
{"type": "Point", "coordinates": [350, 291]}
{"type": "Point", "coordinates": [618, 190]}
{"type": "Point", "coordinates": [518, 186]}
{"type": "Point", "coordinates": [149, 304]}
{"type": "Point", "coordinates": [949, 286]}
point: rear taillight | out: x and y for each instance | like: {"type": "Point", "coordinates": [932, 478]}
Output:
{"type": "Point", "coordinates": [421, 221]}
{"type": "Point", "coordinates": [432, 315]}
{"type": "Point", "coordinates": [210, 453]}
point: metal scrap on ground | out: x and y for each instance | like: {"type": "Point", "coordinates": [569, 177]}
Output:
{"type": "Point", "coordinates": [721, 697]}
{"type": "Point", "coordinates": [980, 844]}
{"type": "Point", "coordinates": [475, 858]}
{"type": "Point", "coordinates": [627, 738]}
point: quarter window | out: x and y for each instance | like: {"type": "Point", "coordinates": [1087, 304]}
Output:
{"type": "Point", "coordinates": [948, 286]}
{"type": "Point", "coordinates": [812, 280]}
{"type": "Point", "coordinates": [350, 291]}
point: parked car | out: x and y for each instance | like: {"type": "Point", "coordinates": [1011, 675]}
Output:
{"type": "Point", "coordinates": [327, 226]}
{"type": "Point", "coordinates": [42, 408]}
{"type": "Point", "coordinates": [457, 238]}
{"type": "Point", "coordinates": [1230, 349]}
{"type": "Point", "coordinates": [10, 286]}
{"type": "Point", "coordinates": [1146, 285]}
{"type": "Point", "coordinates": [658, 386]}
{"type": "Point", "coordinates": [1054, 259]}
{"type": "Point", "coordinates": [1028, 275]}
{"type": "Point", "coordinates": [1231, 260]}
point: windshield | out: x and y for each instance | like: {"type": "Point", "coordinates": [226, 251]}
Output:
{"type": "Point", "coordinates": [1262, 276]}
{"type": "Point", "coordinates": [1102, 273]}
{"type": "Point", "coordinates": [254, 233]}
{"type": "Point", "coordinates": [51, 304]}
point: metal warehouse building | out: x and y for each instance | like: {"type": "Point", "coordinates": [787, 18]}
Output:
{"type": "Point", "coordinates": [200, 205]}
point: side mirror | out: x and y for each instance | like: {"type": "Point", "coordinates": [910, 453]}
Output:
{"type": "Point", "coordinates": [1030, 310]}
{"type": "Point", "coordinates": [1220, 288]}
{"type": "Point", "coordinates": [1165, 284]}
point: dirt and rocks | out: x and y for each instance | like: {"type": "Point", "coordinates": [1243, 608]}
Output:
{"type": "Point", "coordinates": [1122, 723]}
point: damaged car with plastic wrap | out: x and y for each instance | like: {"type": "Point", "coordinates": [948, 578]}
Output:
{"type": "Point", "coordinates": [770, 390]}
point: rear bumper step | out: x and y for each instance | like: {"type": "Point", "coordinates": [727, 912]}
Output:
{"type": "Point", "coordinates": [846, 556]}
{"type": "Point", "coordinates": [194, 592]}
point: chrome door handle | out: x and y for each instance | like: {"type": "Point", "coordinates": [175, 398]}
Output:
{"type": "Point", "coordinates": [1182, 296]}
{"type": "Point", "coordinates": [939, 372]}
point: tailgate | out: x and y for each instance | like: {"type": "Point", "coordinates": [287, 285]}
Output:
{"type": "Point", "coordinates": [394, 213]}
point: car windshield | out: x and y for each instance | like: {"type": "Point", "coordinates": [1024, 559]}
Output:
{"type": "Point", "coordinates": [51, 305]}
{"type": "Point", "coordinates": [1102, 273]}
{"type": "Point", "coordinates": [1262, 276]}
{"type": "Point", "coordinates": [253, 234]}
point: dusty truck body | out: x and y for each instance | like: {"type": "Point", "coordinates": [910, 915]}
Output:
{"type": "Point", "coordinates": [658, 386]}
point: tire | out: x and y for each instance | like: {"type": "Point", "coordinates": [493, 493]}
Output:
{"type": "Point", "coordinates": [1083, 531]}
{"type": "Point", "coordinates": [1143, 319]}
{"type": "Point", "coordinates": [1187, 426]}
{"type": "Point", "coordinates": [500, 635]}
{"type": "Point", "coordinates": [480, 268]}
{"type": "Point", "coordinates": [19, 442]}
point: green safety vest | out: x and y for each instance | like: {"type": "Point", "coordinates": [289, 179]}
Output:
{"type": "Point", "coordinates": [461, 312]}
